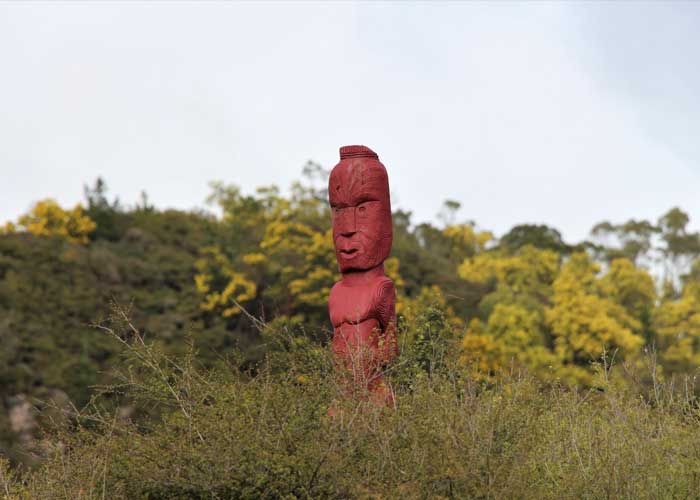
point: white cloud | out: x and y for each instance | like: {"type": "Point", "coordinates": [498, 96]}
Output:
{"type": "Point", "coordinates": [512, 109]}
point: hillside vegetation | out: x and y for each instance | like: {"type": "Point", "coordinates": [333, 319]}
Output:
{"type": "Point", "coordinates": [171, 354]}
{"type": "Point", "coordinates": [236, 434]}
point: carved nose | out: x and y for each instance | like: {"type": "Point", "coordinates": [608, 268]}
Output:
{"type": "Point", "coordinates": [347, 222]}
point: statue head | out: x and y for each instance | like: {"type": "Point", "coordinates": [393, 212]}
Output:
{"type": "Point", "coordinates": [358, 191]}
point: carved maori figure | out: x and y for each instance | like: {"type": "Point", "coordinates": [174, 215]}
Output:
{"type": "Point", "coordinates": [362, 303]}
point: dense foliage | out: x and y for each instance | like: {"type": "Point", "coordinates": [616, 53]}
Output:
{"type": "Point", "coordinates": [248, 289]}
{"type": "Point", "coordinates": [230, 434]}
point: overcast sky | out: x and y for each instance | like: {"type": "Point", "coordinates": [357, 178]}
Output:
{"type": "Point", "coordinates": [558, 113]}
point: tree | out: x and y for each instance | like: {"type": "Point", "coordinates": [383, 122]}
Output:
{"type": "Point", "coordinates": [632, 240]}
{"type": "Point", "coordinates": [96, 196]}
{"type": "Point", "coordinates": [47, 218]}
{"type": "Point", "coordinates": [677, 322]}
{"type": "Point", "coordinates": [448, 213]}
{"type": "Point", "coordinates": [221, 284]}
{"type": "Point", "coordinates": [107, 215]}
{"type": "Point", "coordinates": [585, 322]}
{"type": "Point", "coordinates": [634, 289]}
{"type": "Point", "coordinates": [512, 336]}
{"type": "Point", "coordinates": [512, 330]}
{"type": "Point", "coordinates": [465, 241]}
{"type": "Point", "coordinates": [282, 245]}
{"type": "Point", "coordinates": [536, 235]}
{"type": "Point", "coordinates": [527, 274]}
{"type": "Point", "coordinates": [554, 318]}
{"type": "Point", "coordinates": [680, 246]}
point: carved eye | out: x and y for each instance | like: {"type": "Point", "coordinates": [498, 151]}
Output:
{"type": "Point", "coordinates": [336, 210]}
{"type": "Point", "coordinates": [361, 208]}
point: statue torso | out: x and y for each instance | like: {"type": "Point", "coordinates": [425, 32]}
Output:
{"type": "Point", "coordinates": [355, 312]}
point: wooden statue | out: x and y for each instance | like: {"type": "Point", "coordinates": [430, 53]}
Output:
{"type": "Point", "coordinates": [362, 303]}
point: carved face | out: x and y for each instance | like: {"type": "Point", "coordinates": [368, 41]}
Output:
{"type": "Point", "coordinates": [358, 192]}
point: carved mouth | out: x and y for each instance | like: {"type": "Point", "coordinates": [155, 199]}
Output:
{"type": "Point", "coordinates": [350, 252]}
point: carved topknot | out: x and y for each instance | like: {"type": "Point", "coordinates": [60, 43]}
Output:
{"type": "Point", "coordinates": [357, 152]}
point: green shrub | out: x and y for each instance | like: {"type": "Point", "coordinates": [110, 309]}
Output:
{"type": "Point", "coordinates": [228, 434]}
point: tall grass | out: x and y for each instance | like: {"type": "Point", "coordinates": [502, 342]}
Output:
{"type": "Point", "coordinates": [264, 434]}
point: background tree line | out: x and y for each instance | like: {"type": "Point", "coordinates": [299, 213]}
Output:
{"type": "Point", "coordinates": [491, 305]}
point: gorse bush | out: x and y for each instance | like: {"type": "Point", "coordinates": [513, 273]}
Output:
{"type": "Point", "coordinates": [234, 433]}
